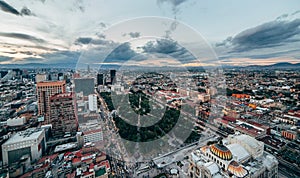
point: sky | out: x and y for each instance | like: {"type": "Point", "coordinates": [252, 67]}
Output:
{"type": "Point", "coordinates": [150, 32]}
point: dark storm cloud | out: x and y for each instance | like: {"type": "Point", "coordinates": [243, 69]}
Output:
{"type": "Point", "coordinates": [294, 13]}
{"type": "Point", "coordinates": [167, 47]}
{"type": "Point", "coordinates": [23, 37]}
{"type": "Point", "coordinates": [282, 17]}
{"type": "Point", "coordinates": [116, 52]}
{"type": "Point", "coordinates": [83, 40]}
{"type": "Point", "coordinates": [288, 53]}
{"type": "Point", "coordinates": [26, 11]}
{"type": "Point", "coordinates": [101, 24]}
{"type": "Point", "coordinates": [7, 8]}
{"type": "Point", "coordinates": [122, 53]}
{"type": "Point", "coordinates": [133, 34]}
{"type": "Point", "coordinates": [101, 36]}
{"type": "Point", "coordinates": [95, 41]}
{"type": "Point", "coordinates": [102, 50]}
{"type": "Point", "coordinates": [271, 34]}
{"type": "Point", "coordinates": [70, 57]}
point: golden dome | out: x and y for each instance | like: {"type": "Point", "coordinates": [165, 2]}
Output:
{"type": "Point", "coordinates": [221, 151]}
{"type": "Point", "coordinates": [236, 169]}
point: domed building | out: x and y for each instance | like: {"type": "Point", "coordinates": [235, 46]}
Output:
{"type": "Point", "coordinates": [232, 160]}
{"type": "Point", "coordinates": [219, 154]}
{"type": "Point", "coordinates": [236, 169]}
{"type": "Point", "coordinates": [221, 151]}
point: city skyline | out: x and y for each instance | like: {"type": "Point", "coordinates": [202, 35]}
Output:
{"type": "Point", "coordinates": [149, 89]}
{"type": "Point", "coordinates": [146, 123]}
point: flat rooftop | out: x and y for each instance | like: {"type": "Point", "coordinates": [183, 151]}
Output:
{"type": "Point", "coordinates": [65, 147]}
{"type": "Point", "coordinates": [26, 135]}
{"type": "Point", "coordinates": [51, 83]}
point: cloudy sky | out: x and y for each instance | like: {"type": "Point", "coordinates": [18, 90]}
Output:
{"type": "Point", "coordinates": [232, 32]}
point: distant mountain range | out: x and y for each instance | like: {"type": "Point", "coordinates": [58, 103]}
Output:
{"type": "Point", "coordinates": [281, 65]}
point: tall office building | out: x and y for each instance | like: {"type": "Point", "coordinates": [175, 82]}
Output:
{"type": "Point", "coordinates": [93, 102]}
{"type": "Point", "coordinates": [63, 115]}
{"type": "Point", "coordinates": [112, 76]}
{"type": "Point", "coordinates": [41, 77]}
{"type": "Point", "coordinates": [100, 79]}
{"type": "Point", "coordinates": [60, 76]}
{"type": "Point", "coordinates": [53, 77]}
{"type": "Point", "coordinates": [44, 91]}
{"type": "Point", "coordinates": [88, 69]}
{"type": "Point", "coordinates": [85, 85]}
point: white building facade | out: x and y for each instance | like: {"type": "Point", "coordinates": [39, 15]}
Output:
{"type": "Point", "coordinates": [93, 136]}
{"type": "Point", "coordinates": [30, 142]}
{"type": "Point", "coordinates": [93, 102]}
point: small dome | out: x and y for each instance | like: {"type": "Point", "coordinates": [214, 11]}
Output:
{"type": "Point", "coordinates": [236, 169]}
{"type": "Point", "coordinates": [203, 149]}
{"type": "Point", "coordinates": [221, 151]}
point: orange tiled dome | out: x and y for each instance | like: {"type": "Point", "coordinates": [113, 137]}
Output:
{"type": "Point", "coordinates": [221, 151]}
{"type": "Point", "coordinates": [236, 169]}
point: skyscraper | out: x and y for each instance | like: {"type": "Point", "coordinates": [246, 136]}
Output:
{"type": "Point", "coordinates": [44, 91]}
{"type": "Point", "coordinates": [112, 76]}
{"type": "Point", "coordinates": [85, 85]}
{"type": "Point", "coordinates": [100, 79]}
{"type": "Point", "coordinates": [63, 115]}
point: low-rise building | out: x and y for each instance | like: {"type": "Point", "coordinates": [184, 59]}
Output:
{"type": "Point", "coordinates": [93, 136]}
{"type": "Point", "coordinates": [29, 142]}
{"type": "Point", "coordinates": [289, 134]}
{"type": "Point", "coordinates": [18, 121]}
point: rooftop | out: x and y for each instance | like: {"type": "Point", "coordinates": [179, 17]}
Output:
{"type": "Point", "coordinates": [64, 147]}
{"type": "Point", "coordinates": [50, 83]}
{"type": "Point", "coordinates": [238, 152]}
{"type": "Point", "coordinates": [62, 95]}
{"type": "Point", "coordinates": [29, 134]}
{"type": "Point", "coordinates": [100, 172]}
{"type": "Point", "coordinates": [252, 142]}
